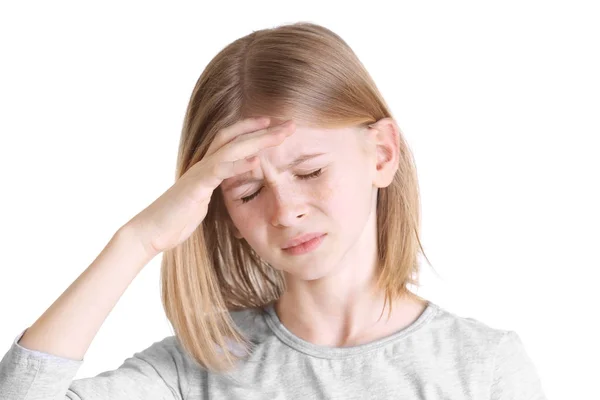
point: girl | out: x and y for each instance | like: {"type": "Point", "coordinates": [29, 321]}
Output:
{"type": "Point", "coordinates": [289, 241]}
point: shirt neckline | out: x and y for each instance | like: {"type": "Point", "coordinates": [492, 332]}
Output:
{"type": "Point", "coordinates": [301, 345]}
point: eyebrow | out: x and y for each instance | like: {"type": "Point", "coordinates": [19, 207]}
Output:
{"type": "Point", "coordinates": [247, 178]}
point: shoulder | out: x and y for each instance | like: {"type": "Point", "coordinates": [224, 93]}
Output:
{"type": "Point", "coordinates": [497, 356]}
{"type": "Point", "coordinates": [167, 357]}
{"type": "Point", "coordinates": [466, 332]}
{"type": "Point", "coordinates": [251, 323]}
{"type": "Point", "coordinates": [514, 375]}
{"type": "Point", "coordinates": [165, 349]}
{"type": "Point", "coordinates": [169, 350]}
{"type": "Point", "coordinates": [453, 342]}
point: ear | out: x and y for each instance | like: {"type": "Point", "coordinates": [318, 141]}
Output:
{"type": "Point", "coordinates": [384, 136]}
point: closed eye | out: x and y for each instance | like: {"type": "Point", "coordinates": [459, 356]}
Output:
{"type": "Point", "coordinates": [250, 197]}
{"type": "Point", "coordinates": [311, 175]}
{"type": "Point", "coordinates": [307, 176]}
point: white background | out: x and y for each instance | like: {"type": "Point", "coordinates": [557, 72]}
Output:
{"type": "Point", "coordinates": [499, 101]}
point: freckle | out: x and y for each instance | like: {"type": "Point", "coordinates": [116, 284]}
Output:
{"type": "Point", "coordinates": [325, 193]}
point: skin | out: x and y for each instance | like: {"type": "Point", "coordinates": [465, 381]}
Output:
{"type": "Point", "coordinates": [331, 298]}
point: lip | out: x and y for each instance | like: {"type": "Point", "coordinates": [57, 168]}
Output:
{"type": "Point", "coordinates": [301, 239]}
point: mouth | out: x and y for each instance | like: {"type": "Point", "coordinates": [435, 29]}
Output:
{"type": "Point", "coordinates": [298, 240]}
{"type": "Point", "coordinates": [304, 243]}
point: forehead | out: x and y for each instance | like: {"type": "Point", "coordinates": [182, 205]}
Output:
{"type": "Point", "coordinates": [306, 139]}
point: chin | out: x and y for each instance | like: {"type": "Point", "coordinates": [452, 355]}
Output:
{"type": "Point", "coordinates": [310, 271]}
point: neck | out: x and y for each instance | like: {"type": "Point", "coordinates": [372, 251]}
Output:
{"type": "Point", "coordinates": [346, 321]}
{"type": "Point", "coordinates": [345, 308]}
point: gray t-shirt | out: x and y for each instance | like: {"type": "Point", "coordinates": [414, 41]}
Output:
{"type": "Point", "coordinates": [439, 356]}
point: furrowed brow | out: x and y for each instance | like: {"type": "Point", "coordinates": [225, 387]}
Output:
{"type": "Point", "coordinates": [248, 178]}
{"type": "Point", "coordinates": [300, 160]}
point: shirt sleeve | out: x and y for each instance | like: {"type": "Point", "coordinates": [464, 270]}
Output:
{"type": "Point", "coordinates": [514, 374]}
{"type": "Point", "coordinates": [33, 375]}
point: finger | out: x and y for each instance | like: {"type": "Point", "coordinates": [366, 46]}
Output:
{"type": "Point", "coordinates": [239, 156]}
{"type": "Point", "coordinates": [221, 170]}
{"type": "Point", "coordinates": [229, 133]}
{"type": "Point", "coordinates": [238, 167]}
{"type": "Point", "coordinates": [249, 146]}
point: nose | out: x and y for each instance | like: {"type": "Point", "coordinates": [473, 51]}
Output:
{"type": "Point", "coordinates": [287, 207]}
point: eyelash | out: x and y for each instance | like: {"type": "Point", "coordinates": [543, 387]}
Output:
{"type": "Point", "coordinates": [307, 176]}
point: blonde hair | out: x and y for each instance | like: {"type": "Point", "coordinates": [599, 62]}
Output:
{"type": "Point", "coordinates": [301, 71]}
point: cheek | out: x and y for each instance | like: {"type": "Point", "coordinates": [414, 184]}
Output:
{"type": "Point", "coordinates": [331, 196]}
{"type": "Point", "coordinates": [325, 192]}
{"type": "Point", "coordinates": [239, 216]}
{"type": "Point", "coordinates": [242, 219]}
{"type": "Point", "coordinates": [350, 194]}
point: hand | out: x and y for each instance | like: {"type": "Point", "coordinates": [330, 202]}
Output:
{"type": "Point", "coordinates": [172, 218]}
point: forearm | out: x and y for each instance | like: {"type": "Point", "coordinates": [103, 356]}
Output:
{"type": "Point", "coordinates": [67, 328]}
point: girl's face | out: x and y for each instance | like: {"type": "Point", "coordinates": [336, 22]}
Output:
{"type": "Point", "coordinates": [318, 182]}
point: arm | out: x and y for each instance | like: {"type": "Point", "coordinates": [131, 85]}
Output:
{"type": "Point", "coordinates": [148, 375]}
{"type": "Point", "coordinates": [68, 326]}
{"type": "Point", "coordinates": [43, 361]}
